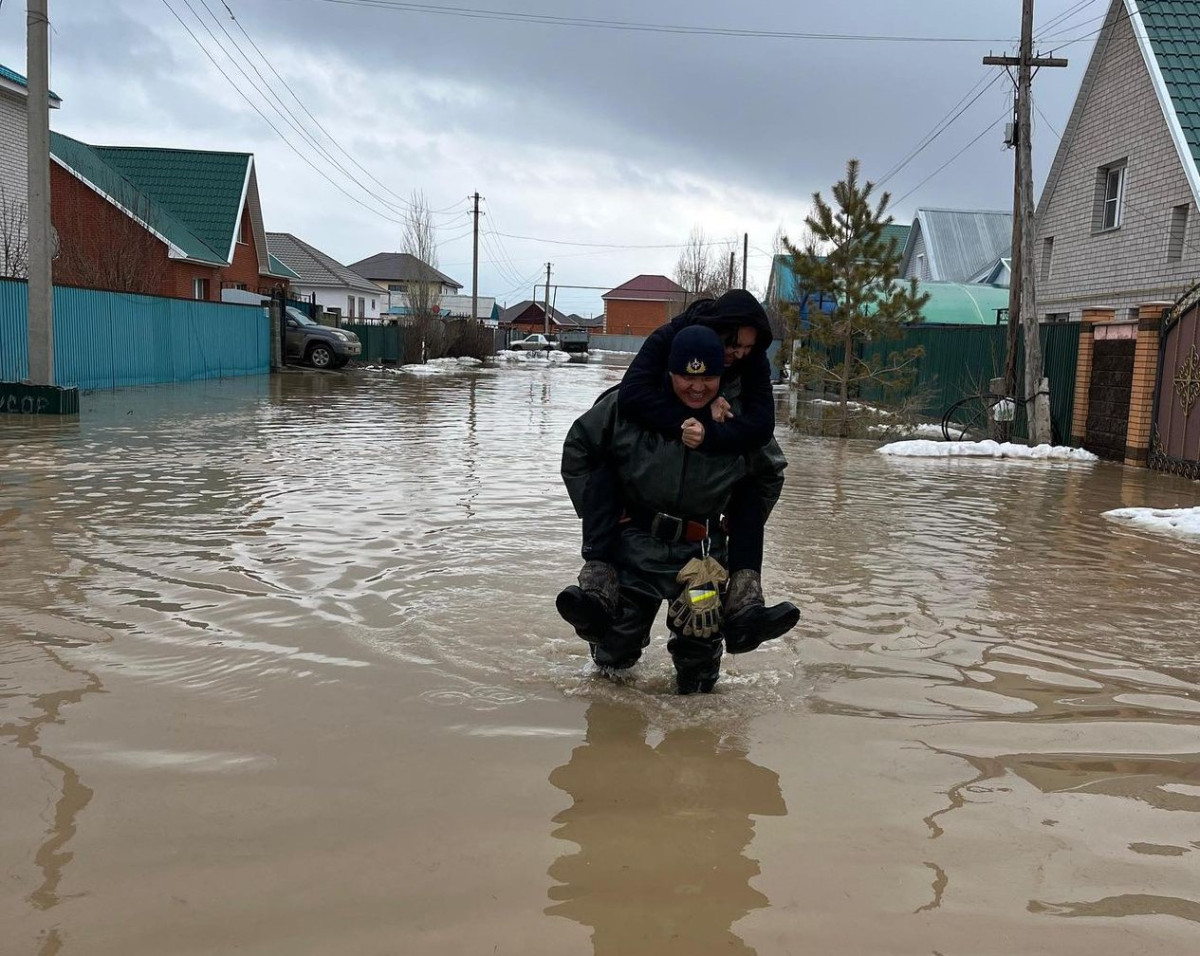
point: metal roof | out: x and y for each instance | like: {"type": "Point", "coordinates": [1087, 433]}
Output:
{"type": "Point", "coordinates": [93, 166]}
{"type": "Point", "coordinates": [960, 242]}
{"type": "Point", "coordinates": [455, 306]}
{"type": "Point", "coordinates": [12, 76]}
{"type": "Point", "coordinates": [654, 287]}
{"type": "Point", "coordinates": [514, 312]}
{"type": "Point", "coordinates": [962, 303]}
{"type": "Point", "coordinates": [399, 267]}
{"type": "Point", "coordinates": [314, 267]}
{"type": "Point", "coordinates": [1173, 30]}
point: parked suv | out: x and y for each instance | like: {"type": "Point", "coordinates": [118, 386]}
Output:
{"type": "Point", "coordinates": [318, 345]}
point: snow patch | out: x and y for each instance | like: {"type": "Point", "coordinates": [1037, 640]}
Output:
{"type": "Point", "coordinates": [554, 357]}
{"type": "Point", "coordinates": [922, 448]}
{"type": "Point", "coordinates": [1181, 521]}
{"type": "Point", "coordinates": [921, 430]}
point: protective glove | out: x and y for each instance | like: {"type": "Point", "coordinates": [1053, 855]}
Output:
{"type": "Point", "coordinates": [697, 610]}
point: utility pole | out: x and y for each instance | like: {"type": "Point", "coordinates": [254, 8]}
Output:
{"type": "Point", "coordinates": [41, 290]}
{"type": "Point", "coordinates": [732, 257]}
{"type": "Point", "coordinates": [745, 255]}
{"type": "Point", "coordinates": [1022, 283]}
{"type": "Point", "coordinates": [546, 306]}
{"type": "Point", "coordinates": [475, 266]}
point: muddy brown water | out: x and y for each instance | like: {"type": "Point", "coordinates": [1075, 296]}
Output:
{"type": "Point", "coordinates": [280, 674]}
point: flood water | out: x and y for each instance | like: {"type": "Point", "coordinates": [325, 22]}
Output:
{"type": "Point", "coordinates": [280, 673]}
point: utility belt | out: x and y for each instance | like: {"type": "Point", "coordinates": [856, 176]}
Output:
{"type": "Point", "coordinates": [670, 528]}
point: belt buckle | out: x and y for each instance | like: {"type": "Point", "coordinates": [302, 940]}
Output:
{"type": "Point", "coordinates": [670, 521]}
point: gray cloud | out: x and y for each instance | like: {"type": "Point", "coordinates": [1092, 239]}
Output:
{"type": "Point", "coordinates": [574, 134]}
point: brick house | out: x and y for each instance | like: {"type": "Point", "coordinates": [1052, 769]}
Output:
{"type": "Point", "coordinates": [173, 222]}
{"type": "Point", "coordinates": [1117, 242]}
{"type": "Point", "coordinates": [14, 177]}
{"type": "Point", "coordinates": [333, 286]}
{"type": "Point", "coordinates": [642, 304]}
{"type": "Point", "coordinates": [1116, 222]}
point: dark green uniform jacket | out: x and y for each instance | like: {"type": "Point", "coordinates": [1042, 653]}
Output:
{"type": "Point", "coordinates": [658, 474]}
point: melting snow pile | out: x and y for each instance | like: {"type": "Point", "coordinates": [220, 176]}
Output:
{"type": "Point", "coordinates": [922, 430]}
{"type": "Point", "coordinates": [1183, 521]}
{"type": "Point", "coordinates": [511, 355]}
{"type": "Point", "coordinates": [921, 448]}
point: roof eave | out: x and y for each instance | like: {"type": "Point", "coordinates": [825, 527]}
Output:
{"type": "Point", "coordinates": [1164, 98]}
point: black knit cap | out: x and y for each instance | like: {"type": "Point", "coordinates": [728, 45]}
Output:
{"type": "Point", "coordinates": [696, 350]}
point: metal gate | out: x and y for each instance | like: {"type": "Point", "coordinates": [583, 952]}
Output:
{"type": "Point", "coordinates": [1175, 442]}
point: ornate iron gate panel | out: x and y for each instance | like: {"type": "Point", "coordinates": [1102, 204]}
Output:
{"type": "Point", "coordinates": [1175, 446]}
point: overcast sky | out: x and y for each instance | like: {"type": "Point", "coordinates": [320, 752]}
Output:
{"type": "Point", "coordinates": [622, 138]}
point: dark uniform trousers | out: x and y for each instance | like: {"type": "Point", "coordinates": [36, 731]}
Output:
{"type": "Point", "coordinates": [647, 567]}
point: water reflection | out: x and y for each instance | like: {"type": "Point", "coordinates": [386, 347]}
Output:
{"type": "Point", "coordinates": [662, 830]}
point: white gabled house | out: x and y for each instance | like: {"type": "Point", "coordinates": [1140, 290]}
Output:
{"type": "Point", "coordinates": [333, 286]}
{"type": "Point", "coordinates": [14, 171]}
{"type": "Point", "coordinates": [1116, 222]}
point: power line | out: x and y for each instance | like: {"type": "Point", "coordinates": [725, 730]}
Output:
{"type": "Point", "coordinates": [282, 108]}
{"type": "Point", "coordinates": [405, 202]}
{"type": "Point", "coordinates": [267, 120]}
{"type": "Point", "coordinates": [991, 127]}
{"type": "Point", "coordinates": [594, 23]}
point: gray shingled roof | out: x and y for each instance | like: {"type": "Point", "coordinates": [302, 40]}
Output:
{"type": "Point", "coordinates": [960, 242]}
{"type": "Point", "coordinates": [312, 266]}
{"type": "Point", "coordinates": [399, 267]}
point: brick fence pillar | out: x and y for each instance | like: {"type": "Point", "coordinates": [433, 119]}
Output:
{"type": "Point", "coordinates": [1145, 375]}
{"type": "Point", "coordinates": [1083, 372]}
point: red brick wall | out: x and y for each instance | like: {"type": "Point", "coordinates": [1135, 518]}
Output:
{"type": "Point", "coordinates": [631, 317]}
{"type": "Point", "coordinates": [101, 247]}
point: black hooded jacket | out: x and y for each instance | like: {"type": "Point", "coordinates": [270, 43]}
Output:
{"type": "Point", "coordinates": [643, 399]}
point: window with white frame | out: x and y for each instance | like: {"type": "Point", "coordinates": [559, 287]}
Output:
{"type": "Point", "coordinates": [1047, 256]}
{"type": "Point", "coordinates": [1110, 196]}
{"type": "Point", "coordinates": [362, 307]}
{"type": "Point", "coordinates": [200, 289]}
{"type": "Point", "coordinates": [350, 306]}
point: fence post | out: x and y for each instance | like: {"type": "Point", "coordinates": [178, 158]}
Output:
{"type": "Point", "coordinates": [276, 313]}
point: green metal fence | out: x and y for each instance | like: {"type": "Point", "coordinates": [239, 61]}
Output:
{"type": "Point", "coordinates": [382, 344]}
{"type": "Point", "coordinates": [960, 361]}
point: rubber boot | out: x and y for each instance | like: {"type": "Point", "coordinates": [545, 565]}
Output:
{"type": "Point", "coordinates": [697, 664]}
{"type": "Point", "coordinates": [591, 607]}
{"type": "Point", "coordinates": [748, 621]}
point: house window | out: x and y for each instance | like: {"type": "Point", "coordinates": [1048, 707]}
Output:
{"type": "Point", "coordinates": [1179, 218]}
{"type": "Point", "coordinates": [396, 287]}
{"type": "Point", "coordinates": [244, 232]}
{"type": "Point", "coordinates": [1047, 256]}
{"type": "Point", "coordinates": [1058, 317]}
{"type": "Point", "coordinates": [921, 273]}
{"type": "Point", "coordinates": [350, 306]}
{"type": "Point", "coordinates": [199, 288]}
{"type": "Point", "coordinates": [372, 305]}
{"type": "Point", "coordinates": [1110, 194]}
{"type": "Point", "coordinates": [362, 307]}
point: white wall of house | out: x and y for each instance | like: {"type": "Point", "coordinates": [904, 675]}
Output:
{"type": "Point", "coordinates": [1086, 266]}
{"type": "Point", "coordinates": [14, 178]}
{"type": "Point", "coordinates": [335, 297]}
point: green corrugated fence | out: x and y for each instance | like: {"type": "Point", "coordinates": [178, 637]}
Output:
{"type": "Point", "coordinates": [381, 344]}
{"type": "Point", "coordinates": [960, 361]}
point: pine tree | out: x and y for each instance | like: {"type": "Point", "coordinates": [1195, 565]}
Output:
{"type": "Point", "coordinates": [847, 260]}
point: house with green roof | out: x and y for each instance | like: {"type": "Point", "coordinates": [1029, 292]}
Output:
{"type": "Point", "coordinates": [176, 222]}
{"type": "Point", "coordinates": [14, 175]}
{"type": "Point", "coordinates": [1116, 221]}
